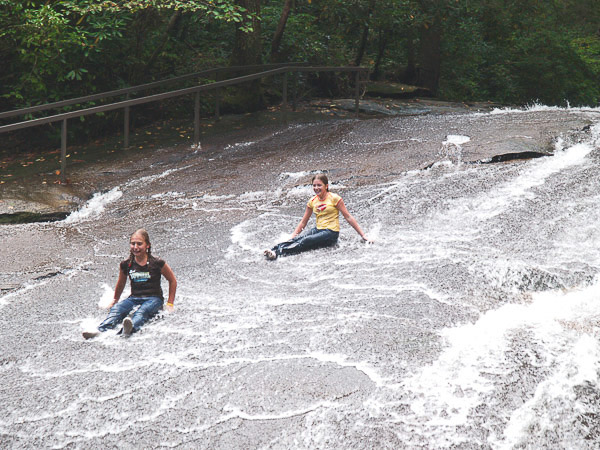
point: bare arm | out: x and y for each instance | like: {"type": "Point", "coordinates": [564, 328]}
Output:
{"type": "Point", "coordinates": [119, 287]}
{"type": "Point", "coordinates": [350, 219]}
{"type": "Point", "coordinates": [307, 213]}
{"type": "Point", "coordinates": [170, 276]}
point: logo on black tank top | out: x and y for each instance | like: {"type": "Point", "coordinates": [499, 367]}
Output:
{"type": "Point", "coordinates": [138, 277]}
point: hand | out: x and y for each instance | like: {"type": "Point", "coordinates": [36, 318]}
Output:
{"type": "Point", "coordinates": [111, 304]}
{"type": "Point", "coordinates": [169, 307]}
{"type": "Point", "coordinates": [366, 239]}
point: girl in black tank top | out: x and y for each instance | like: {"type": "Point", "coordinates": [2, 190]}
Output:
{"type": "Point", "coordinates": [144, 272]}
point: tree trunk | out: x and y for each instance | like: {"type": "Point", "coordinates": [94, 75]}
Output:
{"type": "Point", "coordinates": [143, 21]}
{"type": "Point", "coordinates": [383, 41]}
{"type": "Point", "coordinates": [410, 73]}
{"type": "Point", "coordinates": [365, 35]}
{"type": "Point", "coordinates": [247, 50]}
{"type": "Point", "coordinates": [173, 21]}
{"type": "Point", "coordinates": [430, 55]}
{"type": "Point", "coordinates": [276, 43]}
{"type": "Point", "coordinates": [247, 47]}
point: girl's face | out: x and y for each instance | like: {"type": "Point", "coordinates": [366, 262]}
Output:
{"type": "Point", "coordinates": [138, 245]}
{"type": "Point", "coordinates": [319, 188]}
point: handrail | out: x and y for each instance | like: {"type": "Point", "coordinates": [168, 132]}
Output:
{"type": "Point", "coordinates": [170, 94]}
{"type": "Point", "coordinates": [129, 90]}
{"type": "Point", "coordinates": [126, 104]}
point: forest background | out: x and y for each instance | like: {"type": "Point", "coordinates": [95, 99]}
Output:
{"type": "Point", "coordinates": [503, 51]}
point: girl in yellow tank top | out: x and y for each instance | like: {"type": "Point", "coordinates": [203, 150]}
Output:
{"type": "Point", "coordinates": [328, 215]}
{"type": "Point", "coordinates": [327, 207]}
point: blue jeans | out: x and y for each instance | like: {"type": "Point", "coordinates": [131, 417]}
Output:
{"type": "Point", "coordinates": [310, 240]}
{"type": "Point", "coordinates": [148, 307]}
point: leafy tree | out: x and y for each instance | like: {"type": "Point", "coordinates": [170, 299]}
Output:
{"type": "Point", "coordinates": [516, 52]}
{"type": "Point", "coordinates": [502, 50]}
{"type": "Point", "coordinates": [278, 34]}
{"type": "Point", "coordinates": [54, 50]}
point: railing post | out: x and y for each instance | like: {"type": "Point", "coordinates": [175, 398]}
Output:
{"type": "Point", "coordinates": [284, 92]}
{"type": "Point", "coordinates": [197, 119]}
{"type": "Point", "coordinates": [63, 151]}
{"type": "Point", "coordinates": [357, 91]}
{"type": "Point", "coordinates": [295, 91]}
{"type": "Point", "coordinates": [126, 125]}
{"type": "Point", "coordinates": [217, 103]}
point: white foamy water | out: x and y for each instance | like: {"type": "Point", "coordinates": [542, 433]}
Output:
{"type": "Point", "coordinates": [471, 371]}
{"type": "Point", "coordinates": [95, 206]}
{"type": "Point", "coordinates": [474, 364]}
{"type": "Point", "coordinates": [471, 322]}
{"type": "Point", "coordinates": [577, 368]}
{"type": "Point", "coordinates": [454, 139]}
{"type": "Point", "coordinates": [148, 179]}
{"type": "Point", "coordinates": [107, 296]}
{"type": "Point", "coordinates": [452, 146]}
{"type": "Point", "coordinates": [295, 175]}
{"type": "Point", "coordinates": [487, 205]}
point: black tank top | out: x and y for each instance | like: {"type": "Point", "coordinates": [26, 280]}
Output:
{"type": "Point", "coordinates": [144, 280]}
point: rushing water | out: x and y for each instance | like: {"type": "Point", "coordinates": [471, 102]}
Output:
{"type": "Point", "coordinates": [471, 322]}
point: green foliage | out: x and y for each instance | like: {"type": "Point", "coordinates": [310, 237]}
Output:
{"type": "Point", "coordinates": [56, 50]}
{"type": "Point", "coordinates": [217, 9]}
{"type": "Point", "coordinates": [517, 53]}
{"type": "Point", "coordinates": [505, 51]}
{"type": "Point", "coordinates": [548, 69]}
{"type": "Point", "coordinates": [588, 49]}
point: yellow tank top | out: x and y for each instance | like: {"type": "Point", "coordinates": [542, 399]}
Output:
{"type": "Point", "coordinates": [328, 216]}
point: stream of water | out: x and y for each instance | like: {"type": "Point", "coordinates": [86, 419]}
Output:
{"type": "Point", "coordinates": [471, 322]}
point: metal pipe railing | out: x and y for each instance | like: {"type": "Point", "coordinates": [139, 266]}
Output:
{"type": "Point", "coordinates": [138, 88]}
{"type": "Point", "coordinates": [126, 104]}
